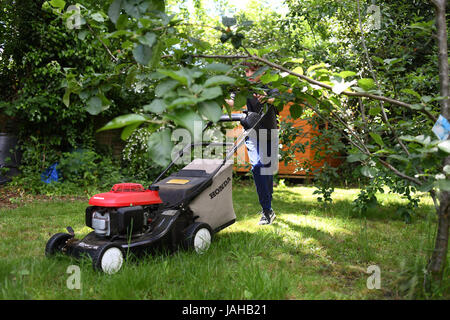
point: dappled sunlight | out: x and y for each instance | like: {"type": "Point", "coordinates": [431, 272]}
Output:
{"type": "Point", "coordinates": [327, 225]}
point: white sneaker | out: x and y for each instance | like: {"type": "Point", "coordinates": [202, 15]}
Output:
{"type": "Point", "coordinates": [267, 219]}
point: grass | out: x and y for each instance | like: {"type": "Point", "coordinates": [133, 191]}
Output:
{"type": "Point", "coordinates": [310, 252]}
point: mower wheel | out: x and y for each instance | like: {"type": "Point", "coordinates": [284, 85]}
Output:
{"type": "Point", "coordinates": [198, 236]}
{"type": "Point", "coordinates": [56, 243]}
{"type": "Point", "coordinates": [108, 258]}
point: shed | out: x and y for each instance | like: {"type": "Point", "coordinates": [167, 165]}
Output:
{"type": "Point", "coordinates": [289, 170]}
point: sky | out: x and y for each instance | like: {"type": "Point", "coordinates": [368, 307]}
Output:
{"type": "Point", "coordinates": [277, 5]}
{"type": "Point", "coordinates": [242, 4]}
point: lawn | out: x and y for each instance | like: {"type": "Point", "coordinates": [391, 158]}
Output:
{"type": "Point", "coordinates": [310, 252]}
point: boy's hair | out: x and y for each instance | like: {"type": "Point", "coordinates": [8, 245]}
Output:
{"type": "Point", "coordinates": [251, 65]}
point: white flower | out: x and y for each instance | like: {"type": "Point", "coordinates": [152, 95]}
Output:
{"type": "Point", "coordinates": [440, 176]}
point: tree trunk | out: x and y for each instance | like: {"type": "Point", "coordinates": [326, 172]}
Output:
{"type": "Point", "coordinates": [439, 256]}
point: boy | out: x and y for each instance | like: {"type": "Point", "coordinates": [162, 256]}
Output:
{"type": "Point", "coordinates": [262, 146]}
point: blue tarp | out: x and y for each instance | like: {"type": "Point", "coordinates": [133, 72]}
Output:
{"type": "Point", "coordinates": [50, 174]}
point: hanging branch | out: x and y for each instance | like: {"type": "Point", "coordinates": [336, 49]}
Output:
{"type": "Point", "coordinates": [101, 41]}
{"type": "Point", "coordinates": [318, 83]}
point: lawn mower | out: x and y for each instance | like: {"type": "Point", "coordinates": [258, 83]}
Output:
{"type": "Point", "coordinates": [183, 210]}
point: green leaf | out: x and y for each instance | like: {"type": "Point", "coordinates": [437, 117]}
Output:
{"type": "Point", "coordinates": [298, 70]}
{"type": "Point", "coordinates": [296, 111]}
{"type": "Point", "coordinates": [211, 110]}
{"type": "Point", "coordinates": [316, 66]}
{"type": "Point", "coordinates": [369, 172]}
{"type": "Point", "coordinates": [446, 169]}
{"type": "Point", "coordinates": [180, 75]}
{"type": "Point", "coordinates": [122, 121]}
{"type": "Point", "coordinates": [375, 110]}
{"type": "Point", "coordinates": [412, 92]}
{"type": "Point", "coordinates": [114, 10]}
{"type": "Point", "coordinates": [128, 130]}
{"type": "Point", "coordinates": [82, 34]}
{"type": "Point", "coordinates": [426, 99]}
{"type": "Point", "coordinates": [218, 67]}
{"type": "Point", "coordinates": [443, 185]}
{"type": "Point", "coordinates": [426, 187]}
{"type": "Point", "coordinates": [228, 21]}
{"type": "Point", "coordinates": [142, 54]}
{"type": "Point", "coordinates": [156, 54]}
{"type": "Point", "coordinates": [377, 138]}
{"type": "Point", "coordinates": [94, 105]}
{"type": "Point", "coordinates": [158, 5]}
{"type": "Point", "coordinates": [66, 97]}
{"type": "Point", "coordinates": [160, 147]}
{"type": "Point", "coordinates": [444, 146]}
{"type": "Point", "coordinates": [225, 36]}
{"type": "Point", "coordinates": [187, 101]}
{"type": "Point", "coordinates": [219, 80]}
{"type": "Point", "coordinates": [307, 98]}
{"type": "Point", "coordinates": [122, 22]}
{"type": "Point", "coordinates": [97, 17]}
{"type": "Point", "coordinates": [269, 77]}
{"type": "Point", "coordinates": [157, 106]}
{"type": "Point", "coordinates": [241, 99]}
{"type": "Point", "coordinates": [135, 8]}
{"type": "Point", "coordinates": [366, 84]}
{"type": "Point", "coordinates": [211, 93]}
{"type": "Point", "coordinates": [148, 39]}
{"type": "Point", "coordinates": [354, 157]}
{"type": "Point", "coordinates": [296, 60]}
{"type": "Point", "coordinates": [236, 40]}
{"type": "Point", "coordinates": [58, 4]}
{"type": "Point", "coordinates": [200, 44]}
{"type": "Point", "coordinates": [422, 139]}
{"type": "Point", "coordinates": [399, 158]}
{"type": "Point", "coordinates": [345, 74]}
{"type": "Point", "coordinates": [165, 87]}
{"type": "Point", "coordinates": [189, 120]}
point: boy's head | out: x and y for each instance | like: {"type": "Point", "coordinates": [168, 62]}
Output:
{"type": "Point", "coordinates": [252, 67]}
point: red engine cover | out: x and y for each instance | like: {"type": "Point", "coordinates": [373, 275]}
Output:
{"type": "Point", "coordinates": [126, 195]}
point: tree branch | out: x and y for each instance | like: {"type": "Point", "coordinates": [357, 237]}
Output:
{"type": "Point", "coordinates": [364, 149]}
{"type": "Point", "coordinates": [318, 83]}
{"type": "Point", "coordinates": [101, 41]}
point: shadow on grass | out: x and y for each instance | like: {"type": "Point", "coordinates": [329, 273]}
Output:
{"type": "Point", "coordinates": [290, 202]}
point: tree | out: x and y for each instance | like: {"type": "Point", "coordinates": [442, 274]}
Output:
{"type": "Point", "coordinates": [439, 256]}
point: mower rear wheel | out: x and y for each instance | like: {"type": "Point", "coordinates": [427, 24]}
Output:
{"type": "Point", "coordinates": [198, 237]}
{"type": "Point", "coordinates": [108, 258]}
{"type": "Point", "coordinates": [56, 243]}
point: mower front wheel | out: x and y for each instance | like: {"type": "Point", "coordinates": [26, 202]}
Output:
{"type": "Point", "coordinates": [56, 243]}
{"type": "Point", "coordinates": [108, 258]}
{"type": "Point", "coordinates": [198, 236]}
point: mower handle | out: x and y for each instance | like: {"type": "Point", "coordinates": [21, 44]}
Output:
{"type": "Point", "coordinates": [232, 117]}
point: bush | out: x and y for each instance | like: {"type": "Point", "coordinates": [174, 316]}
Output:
{"type": "Point", "coordinates": [79, 172]}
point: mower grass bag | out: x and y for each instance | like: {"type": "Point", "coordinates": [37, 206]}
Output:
{"type": "Point", "coordinates": [214, 205]}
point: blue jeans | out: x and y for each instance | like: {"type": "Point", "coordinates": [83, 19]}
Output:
{"type": "Point", "coordinates": [263, 166]}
